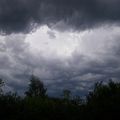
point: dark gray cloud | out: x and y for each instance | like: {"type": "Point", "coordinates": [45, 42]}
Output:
{"type": "Point", "coordinates": [78, 73]}
{"type": "Point", "coordinates": [25, 15]}
{"type": "Point", "coordinates": [90, 62]}
{"type": "Point", "coordinates": [51, 34]}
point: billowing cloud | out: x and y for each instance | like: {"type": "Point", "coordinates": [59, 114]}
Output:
{"type": "Point", "coordinates": [93, 56]}
{"type": "Point", "coordinates": [25, 15]}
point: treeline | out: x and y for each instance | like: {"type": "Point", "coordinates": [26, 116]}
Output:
{"type": "Point", "coordinates": [103, 103]}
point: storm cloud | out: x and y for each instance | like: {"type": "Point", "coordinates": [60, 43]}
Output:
{"type": "Point", "coordinates": [26, 15]}
{"type": "Point", "coordinates": [67, 43]}
{"type": "Point", "coordinates": [88, 63]}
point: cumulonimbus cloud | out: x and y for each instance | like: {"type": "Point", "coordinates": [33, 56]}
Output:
{"type": "Point", "coordinates": [24, 15]}
{"type": "Point", "coordinates": [89, 62]}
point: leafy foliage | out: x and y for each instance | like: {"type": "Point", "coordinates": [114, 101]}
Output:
{"type": "Point", "coordinates": [66, 94]}
{"type": "Point", "coordinates": [1, 85]}
{"type": "Point", "coordinates": [102, 103]}
{"type": "Point", "coordinates": [36, 88]}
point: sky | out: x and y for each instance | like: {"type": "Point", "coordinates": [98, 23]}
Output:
{"type": "Point", "coordinates": [68, 44]}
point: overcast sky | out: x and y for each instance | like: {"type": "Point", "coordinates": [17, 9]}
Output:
{"type": "Point", "coordinates": [68, 44]}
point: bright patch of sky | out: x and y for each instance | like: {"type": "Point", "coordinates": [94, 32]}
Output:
{"type": "Point", "coordinates": [51, 42]}
{"type": "Point", "coordinates": [92, 43]}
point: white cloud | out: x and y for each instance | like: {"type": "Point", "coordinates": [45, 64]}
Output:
{"type": "Point", "coordinates": [70, 59]}
{"type": "Point", "coordinates": [63, 44]}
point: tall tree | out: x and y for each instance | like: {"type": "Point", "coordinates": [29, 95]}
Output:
{"type": "Point", "coordinates": [36, 88]}
{"type": "Point", "coordinates": [1, 85]}
{"type": "Point", "coordinates": [66, 94]}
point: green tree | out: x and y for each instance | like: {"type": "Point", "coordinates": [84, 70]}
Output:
{"type": "Point", "coordinates": [36, 88]}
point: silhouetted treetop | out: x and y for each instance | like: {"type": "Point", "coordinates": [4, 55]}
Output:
{"type": "Point", "coordinates": [1, 85]}
{"type": "Point", "coordinates": [36, 88]}
{"type": "Point", "coordinates": [66, 94]}
{"type": "Point", "coordinates": [103, 103]}
{"type": "Point", "coordinates": [105, 95]}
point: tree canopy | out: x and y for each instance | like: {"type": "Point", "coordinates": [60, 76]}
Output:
{"type": "Point", "coordinates": [103, 103]}
{"type": "Point", "coordinates": [1, 85]}
{"type": "Point", "coordinates": [36, 88]}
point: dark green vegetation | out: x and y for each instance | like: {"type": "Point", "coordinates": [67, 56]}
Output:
{"type": "Point", "coordinates": [102, 103]}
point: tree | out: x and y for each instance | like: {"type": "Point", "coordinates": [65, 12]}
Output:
{"type": "Point", "coordinates": [77, 100]}
{"type": "Point", "coordinates": [1, 85]}
{"type": "Point", "coordinates": [104, 100]}
{"type": "Point", "coordinates": [66, 94]}
{"type": "Point", "coordinates": [36, 88]}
